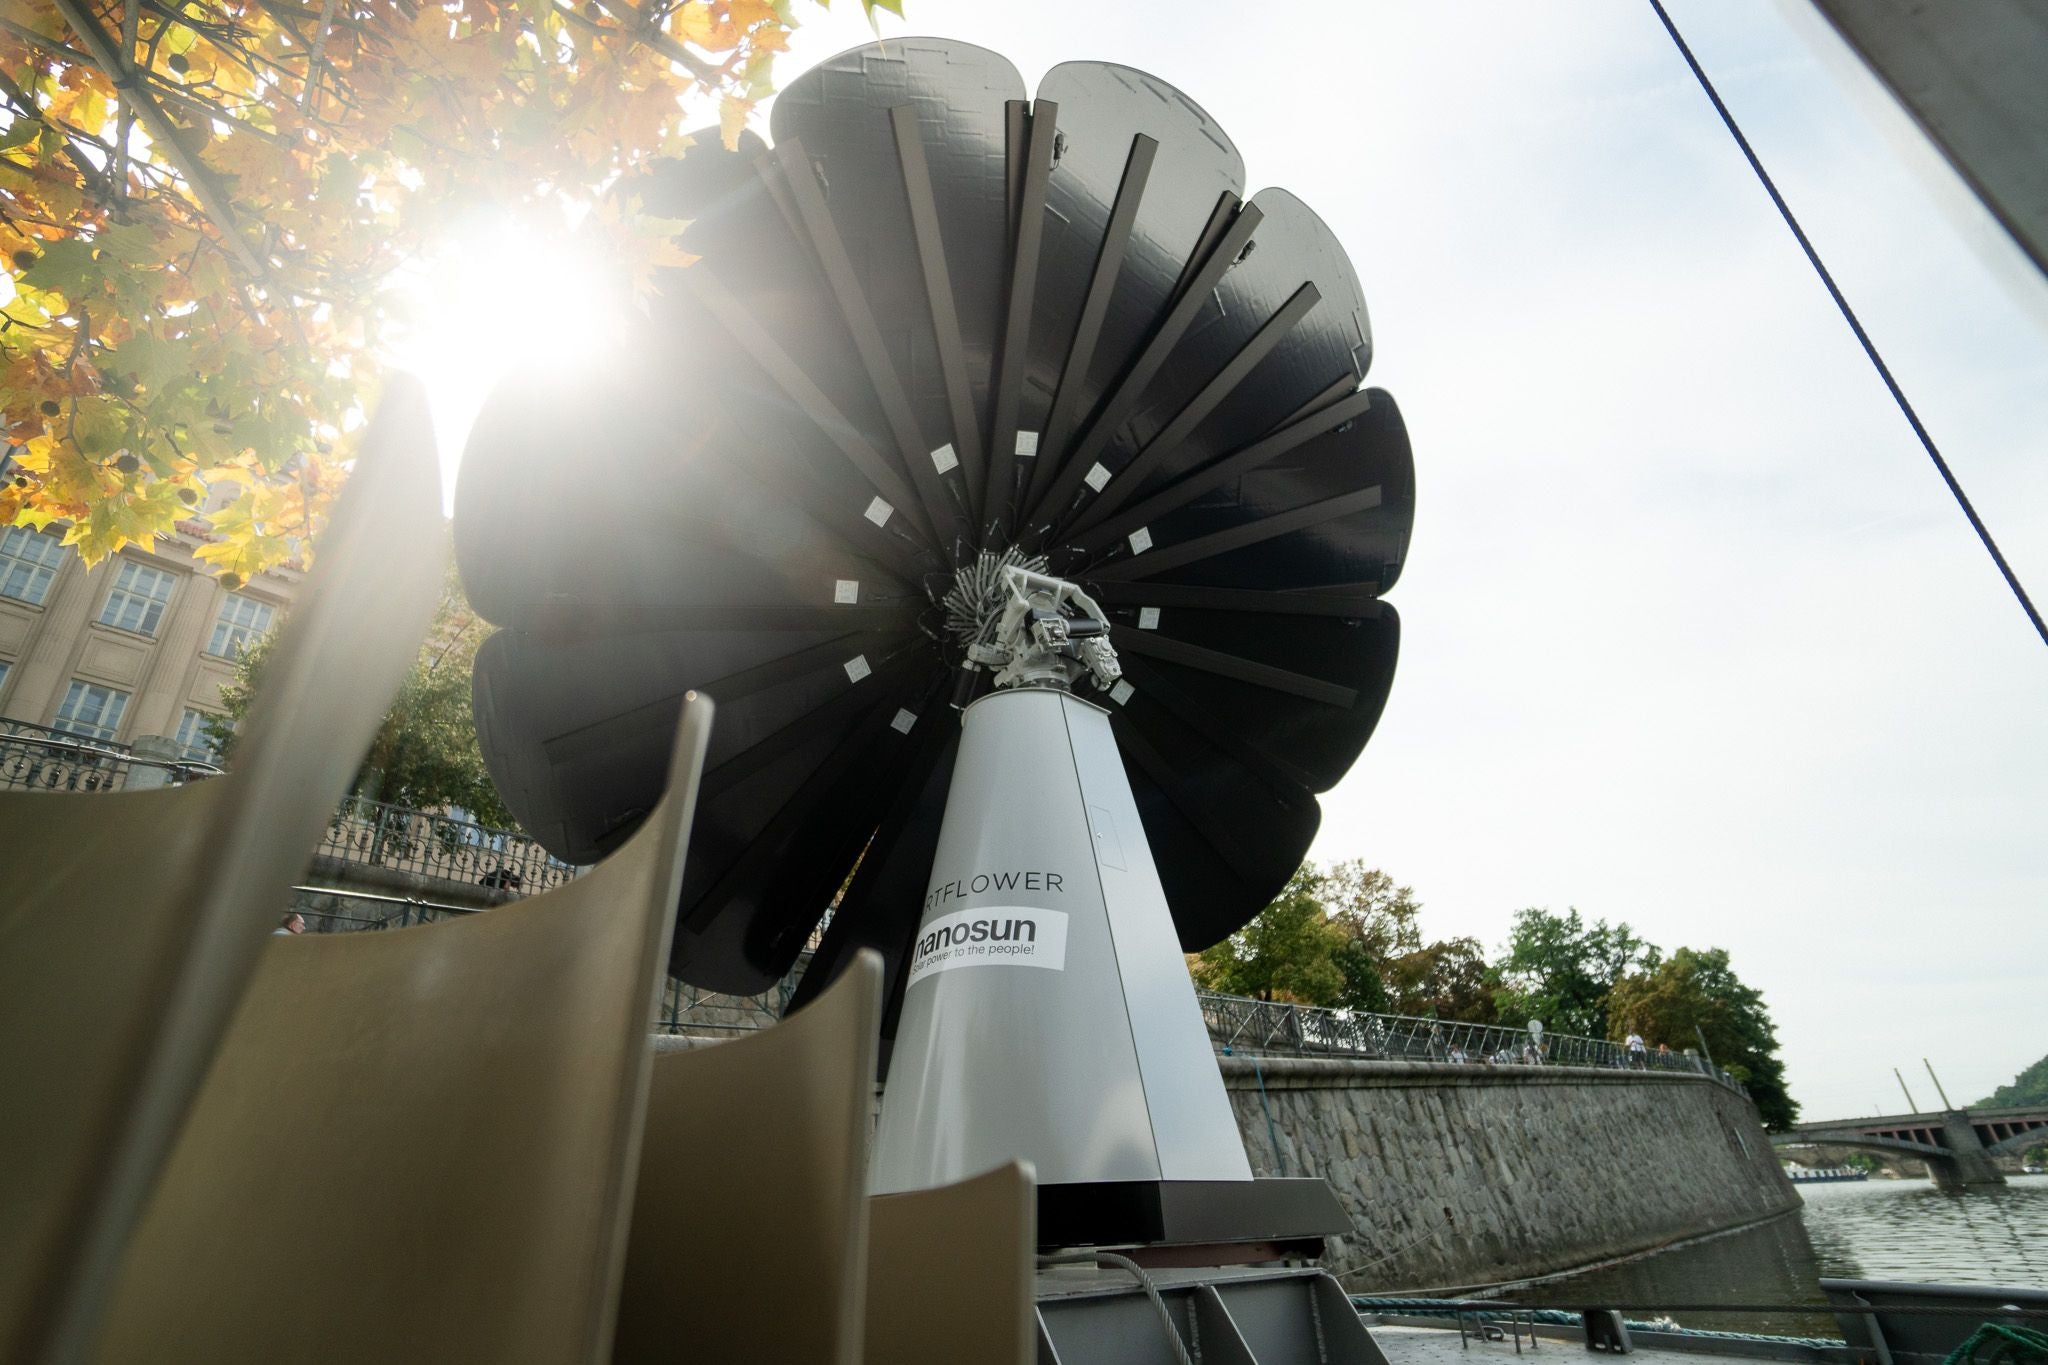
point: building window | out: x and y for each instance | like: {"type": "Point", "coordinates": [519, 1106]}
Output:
{"type": "Point", "coordinates": [91, 710]}
{"type": "Point", "coordinates": [5, 669]}
{"type": "Point", "coordinates": [243, 621]}
{"type": "Point", "coordinates": [137, 601]}
{"type": "Point", "coordinates": [28, 561]}
{"type": "Point", "coordinates": [195, 740]}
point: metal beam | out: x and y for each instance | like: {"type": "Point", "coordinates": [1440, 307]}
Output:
{"type": "Point", "coordinates": [1123, 399]}
{"type": "Point", "coordinates": [1169, 650]}
{"type": "Point", "coordinates": [1358, 604]}
{"type": "Point", "coordinates": [1289, 785]}
{"type": "Point", "coordinates": [1221, 385]}
{"type": "Point", "coordinates": [1237, 537]}
{"type": "Point", "coordinates": [800, 180]}
{"type": "Point", "coordinates": [1186, 490]}
{"type": "Point", "coordinates": [1028, 233]}
{"type": "Point", "coordinates": [938, 288]}
{"type": "Point", "coordinates": [558, 620]}
{"type": "Point", "coordinates": [660, 713]}
{"type": "Point", "coordinates": [1109, 262]}
{"type": "Point", "coordinates": [791, 378]}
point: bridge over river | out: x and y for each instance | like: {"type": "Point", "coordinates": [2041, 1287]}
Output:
{"type": "Point", "coordinates": [1957, 1144]}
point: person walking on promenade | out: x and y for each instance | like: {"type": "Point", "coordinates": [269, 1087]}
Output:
{"type": "Point", "coordinates": [292, 923]}
{"type": "Point", "coordinates": [1638, 1053]}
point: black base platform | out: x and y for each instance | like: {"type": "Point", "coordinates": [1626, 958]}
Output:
{"type": "Point", "coordinates": [1282, 1213]}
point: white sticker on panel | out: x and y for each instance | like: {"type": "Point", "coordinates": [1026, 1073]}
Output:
{"type": "Point", "coordinates": [1121, 693]}
{"type": "Point", "coordinates": [846, 591]}
{"type": "Point", "coordinates": [904, 720]}
{"type": "Point", "coordinates": [1148, 618]}
{"type": "Point", "coordinates": [857, 668]}
{"type": "Point", "coordinates": [990, 936]}
{"type": "Point", "coordinates": [1141, 540]}
{"type": "Point", "coordinates": [943, 459]}
{"type": "Point", "coordinates": [878, 512]}
{"type": "Point", "coordinates": [1027, 445]}
{"type": "Point", "coordinates": [1098, 475]}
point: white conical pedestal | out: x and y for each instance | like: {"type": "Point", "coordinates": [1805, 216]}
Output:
{"type": "Point", "coordinates": [1048, 1014]}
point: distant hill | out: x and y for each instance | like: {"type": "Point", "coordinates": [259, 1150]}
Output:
{"type": "Point", "coordinates": [2029, 1087]}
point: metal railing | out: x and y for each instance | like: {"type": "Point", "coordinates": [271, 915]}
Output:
{"type": "Point", "coordinates": [369, 911]}
{"type": "Point", "coordinates": [375, 834]}
{"type": "Point", "coordinates": [39, 758]}
{"type": "Point", "coordinates": [1238, 1024]}
{"type": "Point", "coordinates": [688, 1010]}
{"type": "Point", "coordinates": [362, 833]}
{"type": "Point", "coordinates": [683, 1008]}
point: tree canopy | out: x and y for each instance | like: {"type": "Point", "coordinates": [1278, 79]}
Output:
{"type": "Point", "coordinates": [1560, 968]}
{"type": "Point", "coordinates": [205, 208]}
{"type": "Point", "coordinates": [2029, 1087]}
{"type": "Point", "coordinates": [1349, 937]}
{"type": "Point", "coordinates": [1287, 952]}
{"type": "Point", "coordinates": [1445, 979]}
{"type": "Point", "coordinates": [1695, 994]}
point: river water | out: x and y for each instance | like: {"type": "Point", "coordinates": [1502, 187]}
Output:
{"type": "Point", "coordinates": [1872, 1230]}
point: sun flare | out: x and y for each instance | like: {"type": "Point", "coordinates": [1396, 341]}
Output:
{"type": "Point", "coordinates": [498, 294]}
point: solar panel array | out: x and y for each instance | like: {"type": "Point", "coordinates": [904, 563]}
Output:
{"type": "Point", "coordinates": [937, 324]}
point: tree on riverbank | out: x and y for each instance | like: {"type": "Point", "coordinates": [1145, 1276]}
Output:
{"type": "Point", "coordinates": [2029, 1087]}
{"type": "Point", "coordinates": [1447, 979]}
{"type": "Point", "coordinates": [1560, 968]}
{"type": "Point", "coordinates": [1349, 937]}
{"type": "Point", "coordinates": [1695, 993]}
{"type": "Point", "coordinates": [1287, 952]}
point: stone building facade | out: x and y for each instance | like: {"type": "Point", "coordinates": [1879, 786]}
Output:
{"type": "Point", "coordinates": [135, 649]}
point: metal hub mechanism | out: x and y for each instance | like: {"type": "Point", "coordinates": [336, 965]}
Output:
{"type": "Point", "coordinates": [974, 604]}
{"type": "Point", "coordinates": [1040, 631]}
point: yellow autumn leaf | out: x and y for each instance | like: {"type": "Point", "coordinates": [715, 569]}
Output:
{"type": "Point", "coordinates": [732, 119]}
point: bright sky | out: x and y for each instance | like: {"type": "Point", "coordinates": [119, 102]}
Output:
{"type": "Point", "coordinates": [1694, 636]}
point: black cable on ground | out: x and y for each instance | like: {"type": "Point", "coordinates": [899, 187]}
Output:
{"type": "Point", "coordinates": [1849, 315]}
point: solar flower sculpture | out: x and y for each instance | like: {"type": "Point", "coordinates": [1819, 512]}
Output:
{"type": "Point", "coordinates": [1002, 470]}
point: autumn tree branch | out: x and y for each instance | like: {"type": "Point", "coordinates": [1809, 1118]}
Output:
{"type": "Point", "coordinates": [212, 200]}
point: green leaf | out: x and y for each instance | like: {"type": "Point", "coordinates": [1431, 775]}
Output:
{"type": "Point", "coordinates": [66, 266]}
{"type": "Point", "coordinates": [152, 362]}
{"type": "Point", "coordinates": [128, 244]}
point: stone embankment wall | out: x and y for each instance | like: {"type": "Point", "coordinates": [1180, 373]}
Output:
{"type": "Point", "coordinates": [1461, 1176]}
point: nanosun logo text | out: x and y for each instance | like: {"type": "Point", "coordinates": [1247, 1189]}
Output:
{"type": "Point", "coordinates": [991, 936]}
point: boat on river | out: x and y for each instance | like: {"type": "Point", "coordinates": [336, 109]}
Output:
{"type": "Point", "coordinates": [1825, 1175]}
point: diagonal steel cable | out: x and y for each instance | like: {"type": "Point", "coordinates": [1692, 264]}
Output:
{"type": "Point", "coordinates": [1849, 315]}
